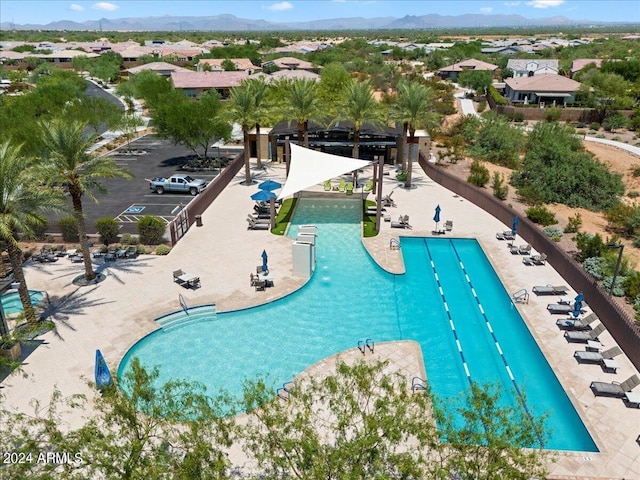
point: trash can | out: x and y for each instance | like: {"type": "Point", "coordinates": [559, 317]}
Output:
{"type": "Point", "coordinates": [198, 220]}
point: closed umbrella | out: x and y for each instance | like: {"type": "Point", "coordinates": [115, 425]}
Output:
{"type": "Point", "coordinates": [577, 305]}
{"type": "Point", "coordinates": [514, 226]}
{"type": "Point", "coordinates": [265, 268]}
{"type": "Point", "coordinates": [436, 217]}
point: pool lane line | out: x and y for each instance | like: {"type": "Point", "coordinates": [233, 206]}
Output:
{"type": "Point", "coordinates": [493, 335]}
{"type": "Point", "coordinates": [446, 308]}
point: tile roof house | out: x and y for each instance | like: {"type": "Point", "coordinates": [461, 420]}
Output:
{"type": "Point", "coordinates": [194, 84]}
{"type": "Point", "coordinates": [579, 63]}
{"type": "Point", "coordinates": [215, 65]}
{"type": "Point", "coordinates": [65, 56]}
{"type": "Point", "coordinates": [452, 71]}
{"type": "Point", "coordinates": [163, 69]}
{"type": "Point", "coordinates": [543, 89]}
{"type": "Point", "coordinates": [290, 63]}
{"type": "Point", "coordinates": [529, 67]}
{"type": "Point", "coordinates": [293, 75]}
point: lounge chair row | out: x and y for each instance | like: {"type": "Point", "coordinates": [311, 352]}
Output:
{"type": "Point", "coordinates": [539, 259]}
{"type": "Point", "coordinates": [505, 235]}
{"type": "Point", "coordinates": [187, 280]}
{"type": "Point", "coordinates": [520, 250]}
{"type": "Point", "coordinates": [403, 222]}
{"type": "Point", "coordinates": [343, 186]}
{"type": "Point", "coordinates": [258, 223]}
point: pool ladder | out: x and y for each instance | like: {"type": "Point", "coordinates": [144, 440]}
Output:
{"type": "Point", "coordinates": [418, 383]}
{"type": "Point", "coordinates": [183, 303]}
{"type": "Point", "coordinates": [521, 296]}
{"type": "Point", "coordinates": [364, 345]}
{"type": "Point", "coordinates": [284, 392]}
{"type": "Point", "coordinates": [394, 244]}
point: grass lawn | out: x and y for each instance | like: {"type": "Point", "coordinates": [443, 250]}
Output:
{"type": "Point", "coordinates": [284, 216]}
{"type": "Point", "coordinates": [369, 221]}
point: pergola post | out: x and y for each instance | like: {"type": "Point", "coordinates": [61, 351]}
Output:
{"type": "Point", "coordinates": [287, 154]}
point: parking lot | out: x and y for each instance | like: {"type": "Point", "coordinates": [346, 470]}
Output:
{"type": "Point", "coordinates": [129, 200]}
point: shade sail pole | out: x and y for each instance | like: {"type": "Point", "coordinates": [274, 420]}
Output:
{"type": "Point", "coordinates": [379, 192]}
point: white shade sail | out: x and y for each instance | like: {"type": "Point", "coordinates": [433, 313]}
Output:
{"type": "Point", "coordinates": [309, 167]}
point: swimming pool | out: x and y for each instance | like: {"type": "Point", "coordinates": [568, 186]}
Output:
{"type": "Point", "coordinates": [11, 304]}
{"type": "Point", "coordinates": [335, 310]}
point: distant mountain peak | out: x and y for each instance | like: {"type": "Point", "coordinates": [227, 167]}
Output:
{"type": "Point", "coordinates": [229, 22]}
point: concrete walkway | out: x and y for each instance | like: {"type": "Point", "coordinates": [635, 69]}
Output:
{"type": "Point", "coordinates": [621, 145]}
{"type": "Point", "coordinates": [115, 314]}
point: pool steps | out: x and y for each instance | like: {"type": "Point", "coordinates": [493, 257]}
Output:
{"type": "Point", "coordinates": [178, 319]}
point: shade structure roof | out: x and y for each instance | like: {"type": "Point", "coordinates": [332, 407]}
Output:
{"type": "Point", "coordinates": [309, 167]}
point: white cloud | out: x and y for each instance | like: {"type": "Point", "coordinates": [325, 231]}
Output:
{"type": "Point", "coordinates": [486, 9]}
{"type": "Point", "coordinates": [512, 4]}
{"type": "Point", "coordinates": [545, 3]}
{"type": "Point", "coordinates": [279, 7]}
{"type": "Point", "coordinates": [76, 8]}
{"type": "Point", "coordinates": [107, 7]}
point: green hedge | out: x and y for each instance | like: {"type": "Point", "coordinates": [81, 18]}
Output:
{"type": "Point", "coordinates": [151, 229]}
{"type": "Point", "coordinates": [495, 95]}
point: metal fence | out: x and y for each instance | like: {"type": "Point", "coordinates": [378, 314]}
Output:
{"type": "Point", "coordinates": [613, 317]}
{"type": "Point", "coordinates": [187, 217]}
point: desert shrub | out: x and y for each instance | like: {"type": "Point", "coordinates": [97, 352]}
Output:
{"type": "Point", "coordinates": [574, 224]}
{"type": "Point", "coordinates": [600, 135]}
{"type": "Point", "coordinates": [553, 232]}
{"type": "Point", "coordinates": [482, 106]}
{"type": "Point", "coordinates": [162, 249]}
{"type": "Point", "coordinates": [541, 215]}
{"type": "Point", "coordinates": [499, 186]}
{"type": "Point", "coordinates": [635, 171]}
{"type": "Point", "coordinates": [495, 95]}
{"type": "Point", "coordinates": [69, 228]}
{"type": "Point", "coordinates": [125, 238]}
{"type": "Point", "coordinates": [581, 125]}
{"type": "Point", "coordinates": [108, 228]}
{"type": "Point", "coordinates": [498, 142]}
{"type": "Point", "coordinates": [590, 245]}
{"type": "Point", "coordinates": [595, 126]}
{"type": "Point", "coordinates": [557, 167]}
{"type": "Point", "coordinates": [479, 174]}
{"type": "Point", "coordinates": [623, 219]}
{"type": "Point", "coordinates": [618, 287]}
{"type": "Point", "coordinates": [151, 229]}
{"type": "Point", "coordinates": [631, 286]}
{"type": "Point", "coordinates": [633, 194]}
{"type": "Point", "coordinates": [615, 122]}
{"type": "Point", "coordinates": [39, 229]}
{"type": "Point", "coordinates": [594, 266]}
{"type": "Point", "coordinates": [141, 249]}
{"type": "Point", "coordinates": [552, 114]}
{"type": "Point", "coordinates": [402, 176]}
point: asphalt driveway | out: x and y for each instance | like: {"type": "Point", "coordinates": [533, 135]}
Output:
{"type": "Point", "coordinates": [128, 200]}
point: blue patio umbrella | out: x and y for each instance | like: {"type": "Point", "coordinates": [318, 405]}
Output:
{"type": "Point", "coordinates": [436, 217]}
{"type": "Point", "coordinates": [577, 305]}
{"type": "Point", "coordinates": [269, 185]}
{"type": "Point", "coordinates": [264, 261]}
{"type": "Point", "coordinates": [514, 226]}
{"type": "Point", "coordinates": [263, 196]}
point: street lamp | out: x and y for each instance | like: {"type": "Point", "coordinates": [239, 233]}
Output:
{"type": "Point", "coordinates": [615, 271]}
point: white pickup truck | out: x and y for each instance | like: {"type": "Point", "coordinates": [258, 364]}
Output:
{"type": "Point", "coordinates": [179, 182]}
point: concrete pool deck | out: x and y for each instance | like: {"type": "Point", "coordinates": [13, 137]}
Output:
{"type": "Point", "coordinates": [115, 314]}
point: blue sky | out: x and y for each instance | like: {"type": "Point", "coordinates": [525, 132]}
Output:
{"type": "Point", "coordinates": [42, 12]}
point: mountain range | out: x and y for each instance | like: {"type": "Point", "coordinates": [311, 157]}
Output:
{"type": "Point", "coordinates": [228, 22]}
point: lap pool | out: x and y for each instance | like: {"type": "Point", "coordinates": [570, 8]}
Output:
{"type": "Point", "coordinates": [445, 302]}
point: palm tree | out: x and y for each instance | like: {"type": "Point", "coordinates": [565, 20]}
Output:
{"type": "Point", "coordinates": [302, 105]}
{"type": "Point", "coordinates": [360, 106]}
{"type": "Point", "coordinates": [67, 161]}
{"type": "Point", "coordinates": [260, 90]}
{"type": "Point", "coordinates": [412, 110]}
{"type": "Point", "coordinates": [241, 108]}
{"type": "Point", "coordinates": [21, 201]}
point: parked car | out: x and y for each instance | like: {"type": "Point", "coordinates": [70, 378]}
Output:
{"type": "Point", "coordinates": [179, 182]}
